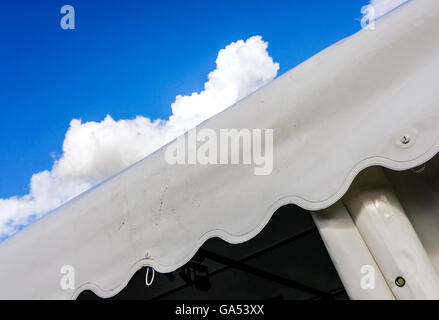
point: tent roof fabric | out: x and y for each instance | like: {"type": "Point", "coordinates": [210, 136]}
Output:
{"type": "Point", "coordinates": [341, 111]}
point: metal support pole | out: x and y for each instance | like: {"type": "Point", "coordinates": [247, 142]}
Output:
{"type": "Point", "coordinates": [350, 255]}
{"type": "Point", "coordinates": [390, 237]}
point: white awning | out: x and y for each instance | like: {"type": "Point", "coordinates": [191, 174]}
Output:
{"type": "Point", "coordinates": [371, 99]}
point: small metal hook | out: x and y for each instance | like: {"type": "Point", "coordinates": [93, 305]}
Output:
{"type": "Point", "coordinates": [149, 282]}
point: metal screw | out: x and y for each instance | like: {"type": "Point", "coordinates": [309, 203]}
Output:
{"type": "Point", "coordinates": [400, 281]}
{"type": "Point", "coordinates": [405, 139]}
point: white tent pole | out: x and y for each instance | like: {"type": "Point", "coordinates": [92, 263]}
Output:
{"type": "Point", "coordinates": [350, 255]}
{"type": "Point", "coordinates": [390, 237]}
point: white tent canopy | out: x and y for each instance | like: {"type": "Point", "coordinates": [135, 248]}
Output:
{"type": "Point", "coordinates": [371, 99]}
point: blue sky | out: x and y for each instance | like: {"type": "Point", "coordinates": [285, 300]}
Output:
{"type": "Point", "coordinates": [128, 58]}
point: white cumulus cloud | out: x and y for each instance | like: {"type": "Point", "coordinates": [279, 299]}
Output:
{"type": "Point", "coordinates": [93, 151]}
